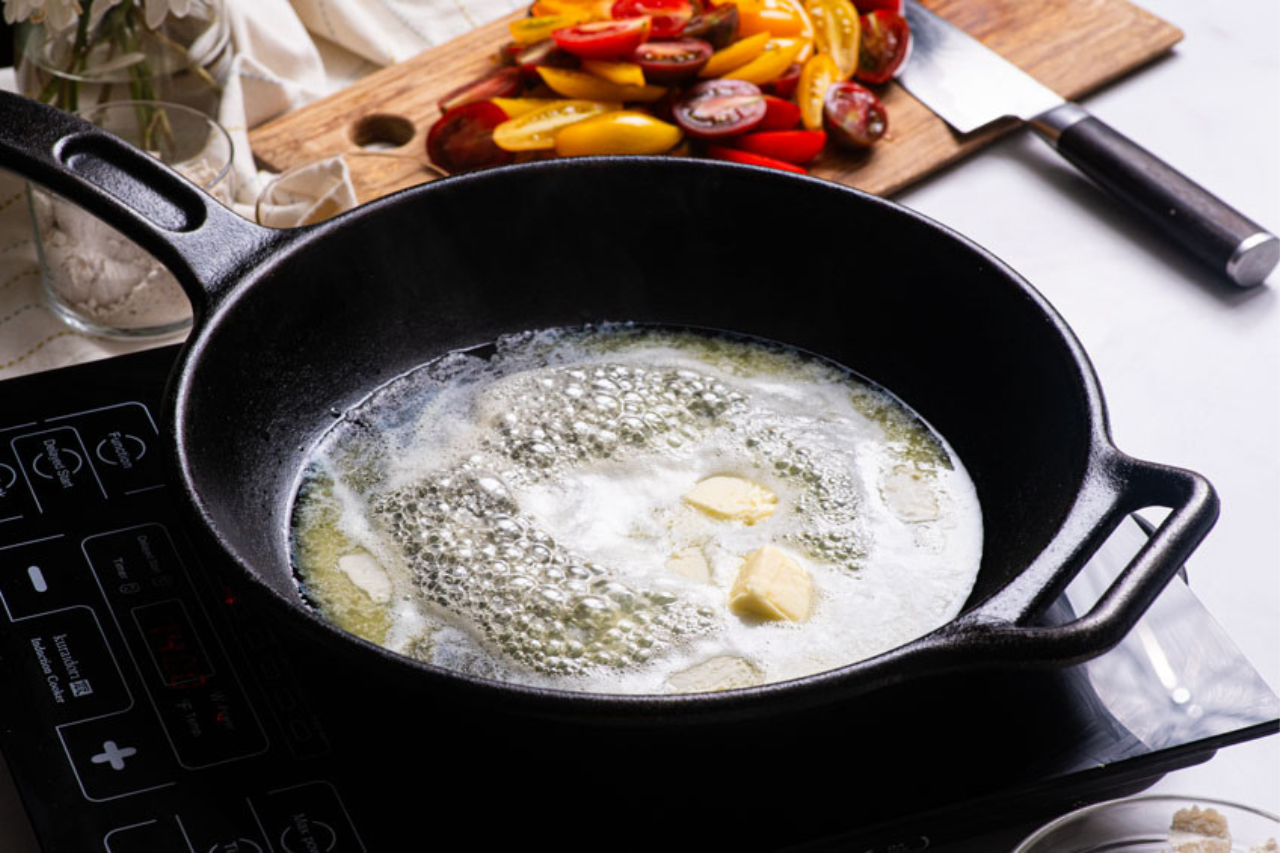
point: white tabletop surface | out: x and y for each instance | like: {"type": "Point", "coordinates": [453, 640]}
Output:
{"type": "Point", "coordinates": [1190, 368]}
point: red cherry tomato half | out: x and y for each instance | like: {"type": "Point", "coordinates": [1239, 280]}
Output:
{"type": "Point", "coordinates": [733, 155]}
{"type": "Point", "coordinates": [866, 7]}
{"type": "Point", "coordinates": [603, 39]}
{"type": "Point", "coordinates": [462, 139]}
{"type": "Point", "coordinates": [785, 86]}
{"type": "Point", "coordinates": [853, 115]}
{"type": "Point", "coordinates": [779, 114]}
{"type": "Point", "coordinates": [715, 109]}
{"type": "Point", "coordinates": [792, 146]}
{"type": "Point", "coordinates": [669, 16]}
{"type": "Point", "coordinates": [503, 83]}
{"type": "Point", "coordinates": [718, 26]}
{"type": "Point", "coordinates": [885, 40]}
{"type": "Point", "coordinates": [666, 63]}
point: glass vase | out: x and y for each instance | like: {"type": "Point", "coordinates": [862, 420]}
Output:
{"type": "Point", "coordinates": [184, 60]}
{"type": "Point", "coordinates": [99, 281]}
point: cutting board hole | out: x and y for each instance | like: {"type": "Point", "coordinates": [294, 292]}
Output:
{"type": "Point", "coordinates": [381, 132]}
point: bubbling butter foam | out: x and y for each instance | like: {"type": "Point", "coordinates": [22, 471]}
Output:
{"type": "Point", "coordinates": [527, 510]}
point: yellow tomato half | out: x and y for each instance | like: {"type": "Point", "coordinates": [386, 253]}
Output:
{"type": "Point", "coordinates": [622, 132]}
{"type": "Point", "coordinates": [530, 30]}
{"type": "Point", "coordinates": [536, 130]}
{"type": "Point", "coordinates": [735, 55]}
{"type": "Point", "coordinates": [768, 66]}
{"type": "Point", "coordinates": [595, 10]}
{"type": "Point", "coordinates": [584, 86]}
{"type": "Point", "coordinates": [837, 32]}
{"type": "Point", "coordinates": [815, 78]}
{"type": "Point", "coordinates": [516, 107]}
{"type": "Point", "coordinates": [778, 18]}
{"type": "Point", "coordinates": [622, 73]}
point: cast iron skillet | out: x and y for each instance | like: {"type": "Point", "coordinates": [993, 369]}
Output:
{"type": "Point", "coordinates": [294, 328]}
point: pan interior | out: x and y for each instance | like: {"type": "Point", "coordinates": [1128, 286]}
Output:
{"type": "Point", "coordinates": [463, 262]}
{"type": "Point", "coordinates": [531, 517]}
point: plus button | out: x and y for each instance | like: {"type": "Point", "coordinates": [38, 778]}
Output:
{"type": "Point", "coordinates": [113, 755]}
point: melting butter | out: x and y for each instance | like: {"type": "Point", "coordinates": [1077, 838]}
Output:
{"type": "Point", "coordinates": [628, 511]}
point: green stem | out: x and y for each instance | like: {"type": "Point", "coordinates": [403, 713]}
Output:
{"type": "Point", "coordinates": [195, 67]}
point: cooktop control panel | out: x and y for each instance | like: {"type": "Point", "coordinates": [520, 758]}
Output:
{"type": "Point", "coordinates": [137, 715]}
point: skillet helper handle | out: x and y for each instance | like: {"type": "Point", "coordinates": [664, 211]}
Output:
{"type": "Point", "coordinates": [1208, 227]}
{"type": "Point", "coordinates": [1194, 509]}
{"type": "Point", "coordinates": [204, 244]}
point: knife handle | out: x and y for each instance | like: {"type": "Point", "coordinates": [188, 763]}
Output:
{"type": "Point", "coordinates": [1201, 222]}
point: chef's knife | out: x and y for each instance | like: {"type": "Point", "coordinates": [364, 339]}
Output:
{"type": "Point", "coordinates": [969, 86]}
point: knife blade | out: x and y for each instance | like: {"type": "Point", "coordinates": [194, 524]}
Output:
{"type": "Point", "coordinates": [969, 86]}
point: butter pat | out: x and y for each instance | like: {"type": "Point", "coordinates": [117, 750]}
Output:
{"type": "Point", "coordinates": [724, 496]}
{"type": "Point", "coordinates": [367, 574]}
{"type": "Point", "coordinates": [722, 672]}
{"type": "Point", "coordinates": [772, 586]}
{"type": "Point", "coordinates": [909, 495]}
{"type": "Point", "coordinates": [691, 563]}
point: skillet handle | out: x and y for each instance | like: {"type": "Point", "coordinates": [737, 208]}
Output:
{"type": "Point", "coordinates": [204, 244]}
{"type": "Point", "coordinates": [1000, 629]}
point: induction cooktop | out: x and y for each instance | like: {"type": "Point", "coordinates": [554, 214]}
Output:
{"type": "Point", "coordinates": [148, 703]}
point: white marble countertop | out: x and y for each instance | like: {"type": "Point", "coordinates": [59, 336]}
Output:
{"type": "Point", "coordinates": [1190, 368]}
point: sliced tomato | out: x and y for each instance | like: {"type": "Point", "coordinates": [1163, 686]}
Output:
{"type": "Point", "coordinates": [503, 83]}
{"type": "Point", "coordinates": [785, 85]}
{"type": "Point", "coordinates": [868, 6]}
{"type": "Point", "coordinates": [837, 31]}
{"type": "Point", "coordinates": [615, 71]}
{"type": "Point", "coordinates": [621, 132]}
{"type": "Point", "coordinates": [588, 87]}
{"type": "Point", "coordinates": [815, 78]}
{"type": "Point", "coordinates": [854, 116]}
{"type": "Point", "coordinates": [793, 146]}
{"type": "Point", "coordinates": [603, 39]}
{"type": "Point", "coordinates": [535, 29]}
{"type": "Point", "coordinates": [886, 38]}
{"type": "Point", "coordinates": [587, 10]}
{"type": "Point", "coordinates": [516, 107]}
{"type": "Point", "coordinates": [668, 17]}
{"type": "Point", "coordinates": [536, 130]}
{"type": "Point", "coordinates": [779, 114]}
{"type": "Point", "coordinates": [668, 63]}
{"type": "Point", "coordinates": [735, 55]}
{"type": "Point", "coordinates": [461, 140]}
{"type": "Point", "coordinates": [778, 18]}
{"type": "Point", "coordinates": [718, 27]}
{"type": "Point", "coordinates": [715, 109]}
{"type": "Point", "coordinates": [733, 155]}
{"type": "Point", "coordinates": [777, 57]}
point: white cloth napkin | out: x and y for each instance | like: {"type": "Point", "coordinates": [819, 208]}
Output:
{"type": "Point", "coordinates": [287, 54]}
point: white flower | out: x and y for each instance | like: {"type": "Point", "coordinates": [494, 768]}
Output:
{"type": "Point", "coordinates": [58, 14]}
{"type": "Point", "coordinates": [156, 10]}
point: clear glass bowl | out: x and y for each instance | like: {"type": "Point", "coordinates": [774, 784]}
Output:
{"type": "Point", "coordinates": [1142, 825]}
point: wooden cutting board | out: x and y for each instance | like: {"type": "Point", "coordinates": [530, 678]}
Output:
{"type": "Point", "coordinates": [1072, 46]}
